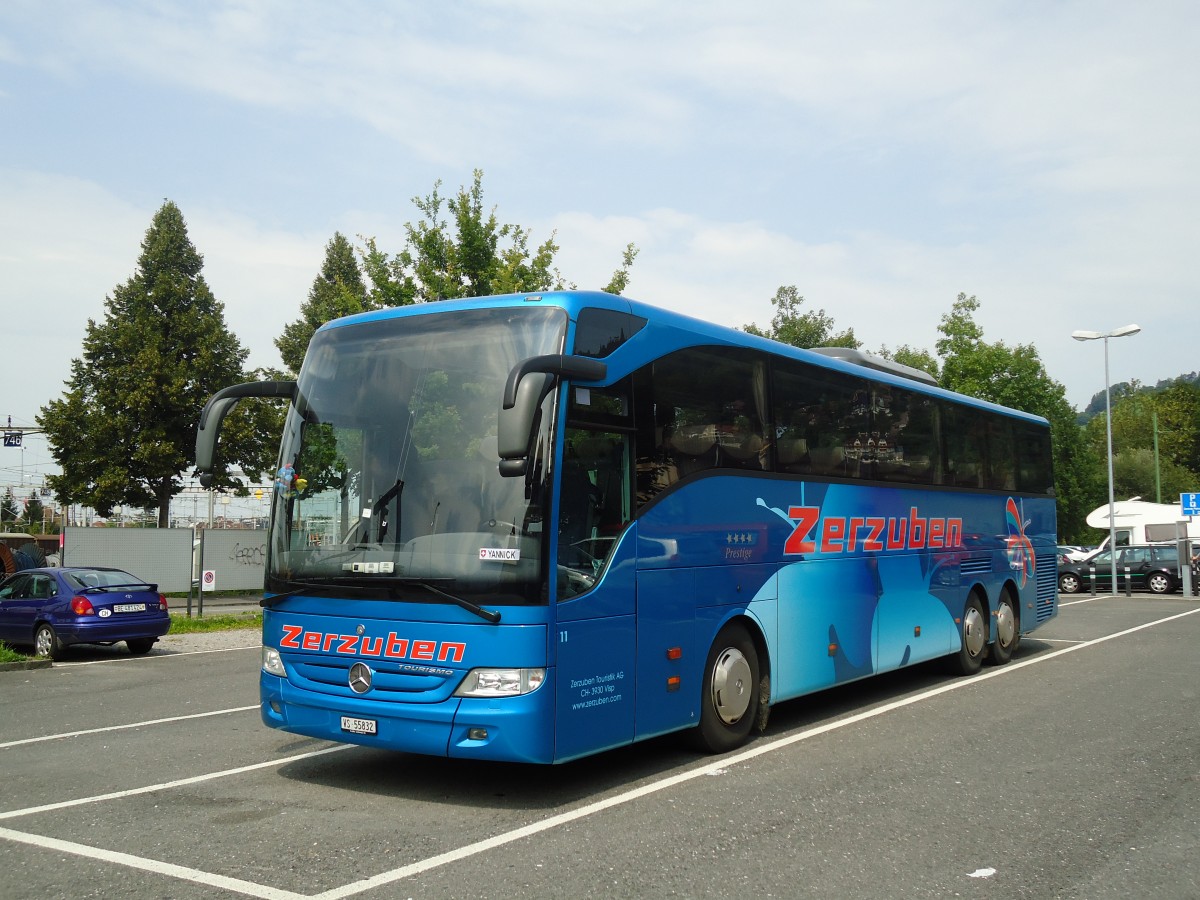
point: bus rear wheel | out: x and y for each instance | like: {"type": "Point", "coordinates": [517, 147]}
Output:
{"type": "Point", "coordinates": [1008, 630]}
{"type": "Point", "coordinates": [729, 697]}
{"type": "Point", "coordinates": [974, 631]}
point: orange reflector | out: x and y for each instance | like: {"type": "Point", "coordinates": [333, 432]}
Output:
{"type": "Point", "coordinates": [673, 683]}
{"type": "Point", "coordinates": [917, 631]}
{"type": "Point", "coordinates": [833, 649]}
{"type": "Point", "coordinates": [674, 653]}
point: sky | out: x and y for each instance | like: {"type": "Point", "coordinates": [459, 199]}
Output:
{"type": "Point", "coordinates": [881, 157]}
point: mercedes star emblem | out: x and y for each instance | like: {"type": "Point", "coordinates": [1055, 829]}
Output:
{"type": "Point", "coordinates": [360, 678]}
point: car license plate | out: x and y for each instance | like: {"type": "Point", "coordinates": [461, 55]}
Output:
{"type": "Point", "coordinates": [129, 607]}
{"type": "Point", "coordinates": [358, 726]}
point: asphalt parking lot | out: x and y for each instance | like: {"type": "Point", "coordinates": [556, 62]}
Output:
{"type": "Point", "coordinates": [1074, 771]}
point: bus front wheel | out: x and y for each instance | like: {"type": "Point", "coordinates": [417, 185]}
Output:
{"type": "Point", "coordinates": [729, 698]}
{"type": "Point", "coordinates": [974, 631]}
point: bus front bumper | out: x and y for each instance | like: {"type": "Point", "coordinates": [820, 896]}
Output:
{"type": "Point", "coordinates": [509, 729]}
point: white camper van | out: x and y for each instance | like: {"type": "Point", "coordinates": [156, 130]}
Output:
{"type": "Point", "coordinates": [1139, 522]}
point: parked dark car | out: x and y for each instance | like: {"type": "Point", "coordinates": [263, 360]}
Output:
{"type": "Point", "coordinates": [52, 608]}
{"type": "Point", "coordinates": [1153, 567]}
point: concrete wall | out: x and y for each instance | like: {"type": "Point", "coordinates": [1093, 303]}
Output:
{"type": "Point", "coordinates": [165, 555]}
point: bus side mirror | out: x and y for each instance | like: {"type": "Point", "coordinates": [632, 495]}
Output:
{"type": "Point", "coordinates": [218, 406]}
{"type": "Point", "coordinates": [514, 429]}
{"type": "Point", "coordinates": [528, 384]}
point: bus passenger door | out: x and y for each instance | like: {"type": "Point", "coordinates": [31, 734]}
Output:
{"type": "Point", "coordinates": [595, 635]}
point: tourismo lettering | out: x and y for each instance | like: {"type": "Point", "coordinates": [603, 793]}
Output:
{"type": "Point", "coordinates": [390, 647]}
{"type": "Point", "coordinates": [845, 534]}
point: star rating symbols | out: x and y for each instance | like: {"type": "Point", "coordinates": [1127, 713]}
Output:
{"type": "Point", "coordinates": [739, 538]}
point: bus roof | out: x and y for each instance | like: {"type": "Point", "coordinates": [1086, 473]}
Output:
{"type": "Point", "coordinates": [667, 331]}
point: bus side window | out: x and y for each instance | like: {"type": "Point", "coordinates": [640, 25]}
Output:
{"type": "Point", "coordinates": [710, 410]}
{"type": "Point", "coordinates": [1033, 453]}
{"type": "Point", "coordinates": [822, 425]}
{"type": "Point", "coordinates": [966, 436]}
{"type": "Point", "coordinates": [594, 505]}
{"type": "Point", "coordinates": [1002, 473]}
{"type": "Point", "coordinates": [907, 446]}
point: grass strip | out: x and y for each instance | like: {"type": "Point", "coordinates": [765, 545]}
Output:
{"type": "Point", "coordinates": [181, 624]}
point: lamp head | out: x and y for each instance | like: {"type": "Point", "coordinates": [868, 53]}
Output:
{"type": "Point", "coordinates": [1123, 331]}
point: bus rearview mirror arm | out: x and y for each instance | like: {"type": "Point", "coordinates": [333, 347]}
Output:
{"type": "Point", "coordinates": [528, 384]}
{"type": "Point", "coordinates": [218, 406]}
{"type": "Point", "coordinates": [581, 368]}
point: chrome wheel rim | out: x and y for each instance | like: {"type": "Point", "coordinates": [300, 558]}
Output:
{"type": "Point", "coordinates": [43, 642]}
{"type": "Point", "coordinates": [974, 632]}
{"type": "Point", "coordinates": [731, 687]}
{"type": "Point", "coordinates": [1006, 624]}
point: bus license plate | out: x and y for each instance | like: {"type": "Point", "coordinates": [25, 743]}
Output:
{"type": "Point", "coordinates": [129, 607]}
{"type": "Point", "coordinates": [358, 726]}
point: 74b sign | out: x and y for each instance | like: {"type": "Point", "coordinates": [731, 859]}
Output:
{"type": "Point", "coordinates": [12, 439]}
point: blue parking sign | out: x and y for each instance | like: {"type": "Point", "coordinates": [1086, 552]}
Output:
{"type": "Point", "coordinates": [1190, 504]}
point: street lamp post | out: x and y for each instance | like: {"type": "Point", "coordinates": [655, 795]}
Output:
{"type": "Point", "coordinates": [1123, 331]}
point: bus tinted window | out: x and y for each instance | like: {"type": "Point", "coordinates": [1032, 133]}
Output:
{"type": "Point", "coordinates": [708, 409]}
{"type": "Point", "coordinates": [1002, 457]}
{"type": "Point", "coordinates": [823, 421]}
{"type": "Point", "coordinates": [601, 331]}
{"type": "Point", "coordinates": [906, 437]}
{"type": "Point", "coordinates": [1032, 445]}
{"type": "Point", "coordinates": [965, 434]}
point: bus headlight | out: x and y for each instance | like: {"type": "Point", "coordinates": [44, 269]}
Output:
{"type": "Point", "coordinates": [500, 682]}
{"type": "Point", "coordinates": [272, 662]}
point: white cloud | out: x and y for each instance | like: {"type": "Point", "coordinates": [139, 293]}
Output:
{"type": "Point", "coordinates": [882, 158]}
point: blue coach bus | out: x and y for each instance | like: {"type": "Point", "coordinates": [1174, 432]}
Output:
{"type": "Point", "coordinates": [536, 527]}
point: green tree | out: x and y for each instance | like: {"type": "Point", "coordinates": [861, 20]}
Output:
{"type": "Point", "coordinates": [339, 290]}
{"type": "Point", "coordinates": [1177, 412]}
{"type": "Point", "coordinates": [1016, 377]}
{"type": "Point", "coordinates": [459, 248]}
{"type": "Point", "coordinates": [802, 329]}
{"type": "Point", "coordinates": [10, 510]}
{"type": "Point", "coordinates": [34, 512]}
{"type": "Point", "coordinates": [1134, 476]}
{"type": "Point", "coordinates": [124, 432]}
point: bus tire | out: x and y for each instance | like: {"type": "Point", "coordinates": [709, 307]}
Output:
{"type": "Point", "coordinates": [974, 632]}
{"type": "Point", "coordinates": [1008, 630]}
{"type": "Point", "coordinates": [729, 695]}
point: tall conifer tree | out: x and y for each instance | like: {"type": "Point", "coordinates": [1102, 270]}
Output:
{"type": "Point", "coordinates": [337, 291]}
{"type": "Point", "coordinates": [125, 429]}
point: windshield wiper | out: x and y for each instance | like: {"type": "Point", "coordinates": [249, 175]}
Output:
{"type": "Point", "coordinates": [372, 584]}
{"type": "Point", "coordinates": [489, 614]}
{"type": "Point", "coordinates": [320, 584]}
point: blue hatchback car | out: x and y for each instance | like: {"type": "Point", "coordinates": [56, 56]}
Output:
{"type": "Point", "coordinates": [52, 608]}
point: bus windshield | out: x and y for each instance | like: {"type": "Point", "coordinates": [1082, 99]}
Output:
{"type": "Point", "coordinates": [388, 483]}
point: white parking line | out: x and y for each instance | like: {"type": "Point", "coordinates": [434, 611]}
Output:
{"type": "Point", "coordinates": [183, 873]}
{"type": "Point", "coordinates": [169, 785]}
{"type": "Point", "coordinates": [398, 874]}
{"type": "Point", "coordinates": [71, 734]}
